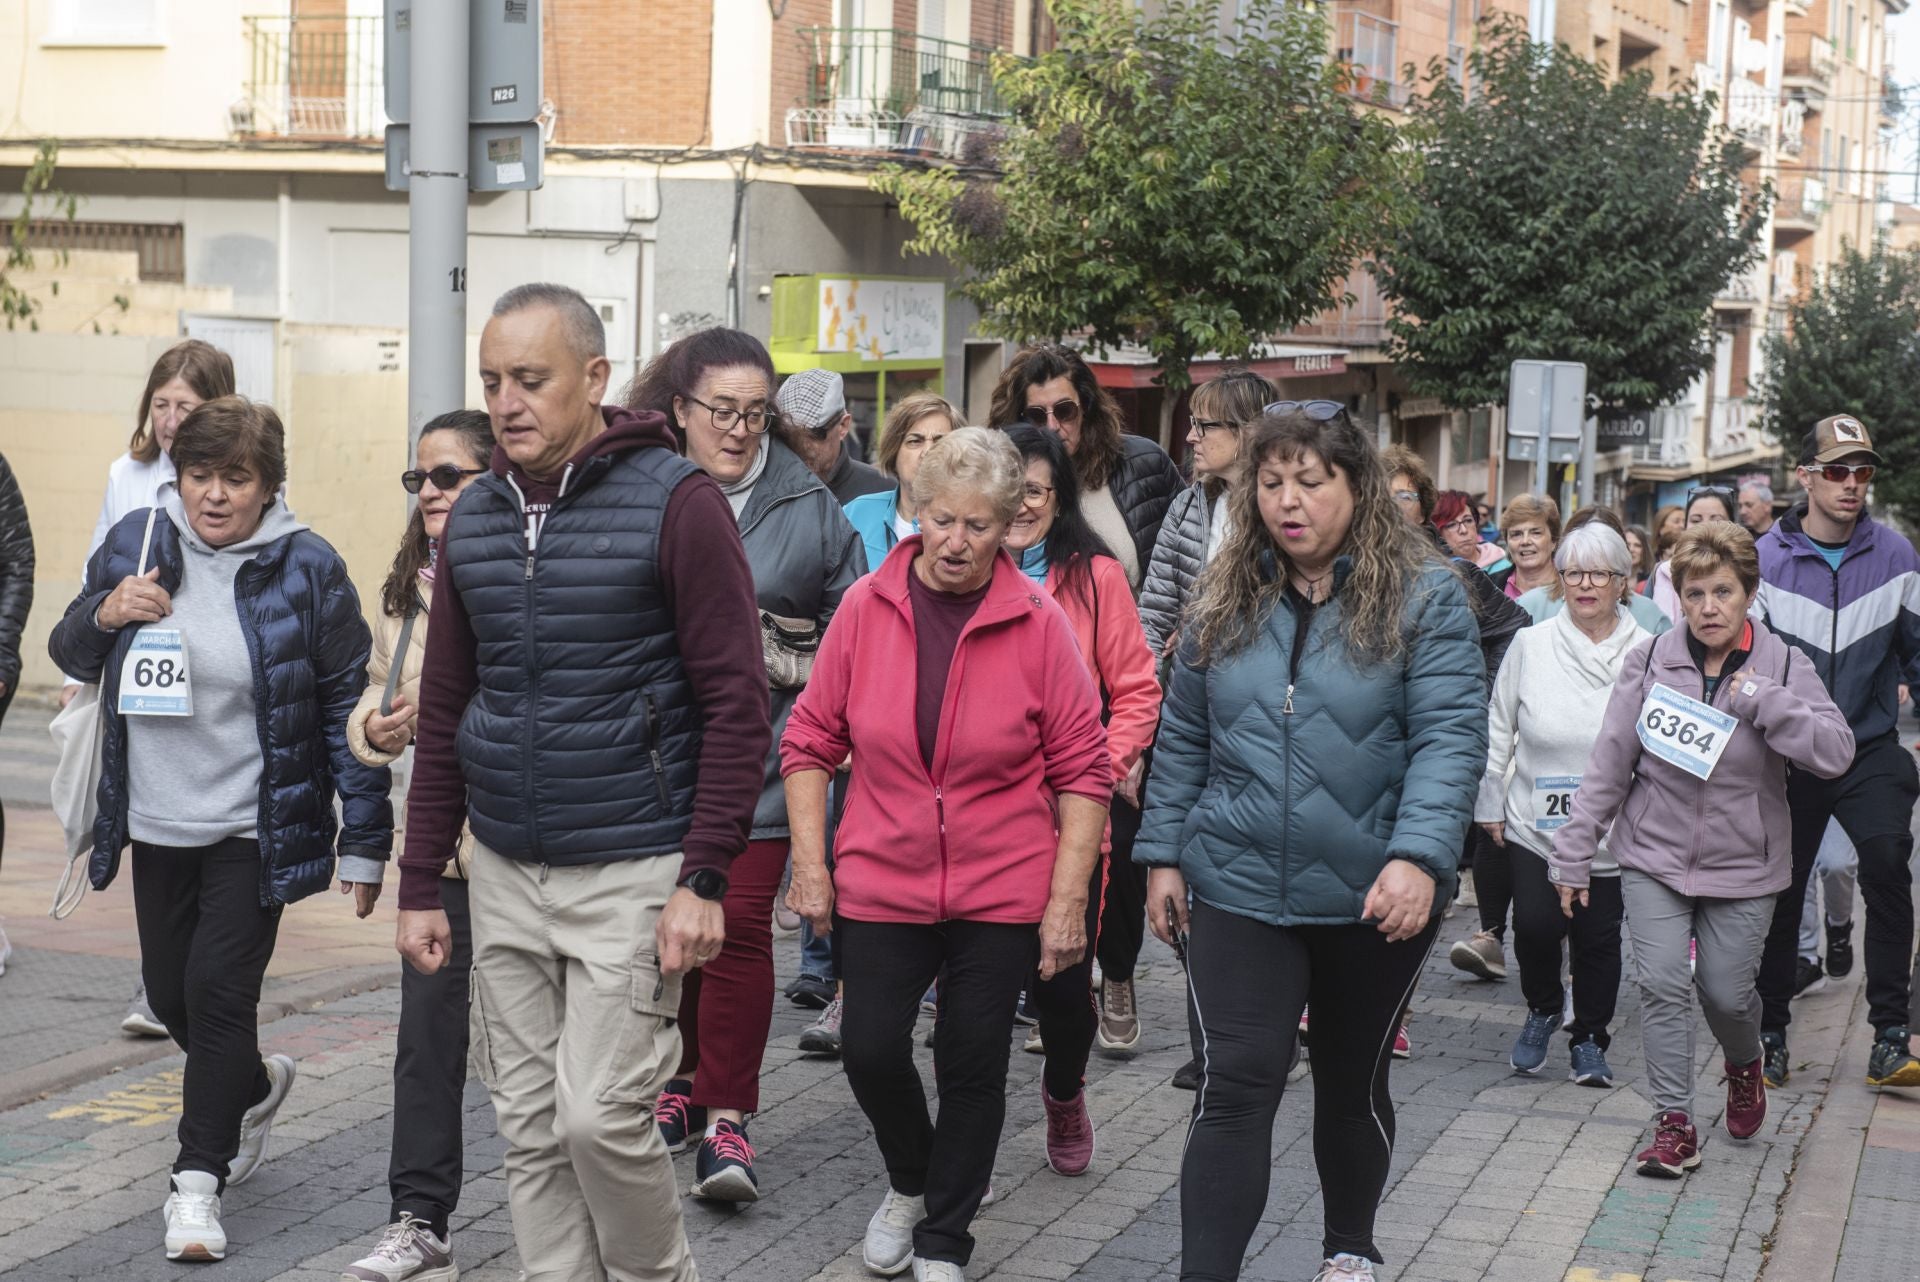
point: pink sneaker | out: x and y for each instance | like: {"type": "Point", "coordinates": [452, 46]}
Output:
{"type": "Point", "coordinates": [1675, 1149]}
{"type": "Point", "coordinates": [1746, 1098]}
{"type": "Point", "coordinates": [1402, 1044]}
{"type": "Point", "coordinates": [1069, 1133]}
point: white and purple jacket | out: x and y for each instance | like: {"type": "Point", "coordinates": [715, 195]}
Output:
{"type": "Point", "coordinates": [1860, 624]}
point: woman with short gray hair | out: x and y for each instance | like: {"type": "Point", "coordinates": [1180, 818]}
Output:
{"type": "Point", "coordinates": [970, 837]}
{"type": "Point", "coordinates": [1548, 704]}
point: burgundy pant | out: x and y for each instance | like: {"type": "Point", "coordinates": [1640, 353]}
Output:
{"type": "Point", "coordinates": [726, 1006]}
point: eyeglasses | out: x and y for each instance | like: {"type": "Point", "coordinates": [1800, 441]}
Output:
{"type": "Point", "coordinates": [445, 477]}
{"type": "Point", "coordinates": [1841, 473]}
{"type": "Point", "coordinates": [1589, 578]}
{"type": "Point", "coordinates": [1318, 411]}
{"type": "Point", "coordinates": [1063, 412]}
{"type": "Point", "coordinates": [1205, 425]}
{"type": "Point", "coordinates": [1036, 494]}
{"type": "Point", "coordinates": [757, 421]}
{"type": "Point", "coordinates": [1465, 521]}
{"type": "Point", "coordinates": [1406, 496]}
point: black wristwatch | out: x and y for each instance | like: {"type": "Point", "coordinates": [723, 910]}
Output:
{"type": "Point", "coordinates": [706, 883]}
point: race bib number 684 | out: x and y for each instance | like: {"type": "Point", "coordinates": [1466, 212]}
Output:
{"type": "Point", "coordinates": [1684, 732]}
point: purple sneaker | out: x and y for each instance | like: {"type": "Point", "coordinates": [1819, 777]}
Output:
{"type": "Point", "coordinates": [1069, 1133]}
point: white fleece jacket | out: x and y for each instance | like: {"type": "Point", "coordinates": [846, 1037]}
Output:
{"type": "Point", "coordinates": [1548, 702]}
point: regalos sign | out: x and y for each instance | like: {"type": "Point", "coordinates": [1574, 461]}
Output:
{"type": "Point", "coordinates": [883, 320]}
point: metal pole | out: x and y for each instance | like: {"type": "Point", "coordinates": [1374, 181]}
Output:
{"type": "Point", "coordinates": [1546, 430]}
{"type": "Point", "coordinates": [437, 213]}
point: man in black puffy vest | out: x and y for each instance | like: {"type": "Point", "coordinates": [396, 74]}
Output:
{"type": "Point", "coordinates": [594, 706]}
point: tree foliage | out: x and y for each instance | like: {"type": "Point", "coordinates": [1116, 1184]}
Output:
{"type": "Point", "coordinates": [1562, 217]}
{"type": "Point", "coordinates": [15, 303]}
{"type": "Point", "coordinates": [1852, 346]}
{"type": "Point", "coordinates": [1165, 181]}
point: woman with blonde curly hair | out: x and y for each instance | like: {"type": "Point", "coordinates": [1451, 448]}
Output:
{"type": "Point", "coordinates": [1319, 751]}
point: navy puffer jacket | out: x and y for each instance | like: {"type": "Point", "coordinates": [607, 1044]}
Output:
{"type": "Point", "coordinates": [302, 621]}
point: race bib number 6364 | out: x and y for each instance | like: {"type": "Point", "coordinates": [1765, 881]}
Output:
{"type": "Point", "coordinates": [1684, 732]}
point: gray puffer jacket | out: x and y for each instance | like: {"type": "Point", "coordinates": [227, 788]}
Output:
{"type": "Point", "coordinates": [1179, 554]}
{"type": "Point", "coordinates": [804, 555]}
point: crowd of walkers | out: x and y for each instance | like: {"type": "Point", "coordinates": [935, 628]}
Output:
{"type": "Point", "coordinates": [659, 665]}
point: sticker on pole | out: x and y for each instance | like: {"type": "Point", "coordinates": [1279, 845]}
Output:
{"type": "Point", "coordinates": [1684, 732]}
{"type": "Point", "coordinates": [153, 677]}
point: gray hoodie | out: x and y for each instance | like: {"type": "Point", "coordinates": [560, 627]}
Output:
{"type": "Point", "coordinates": [195, 781]}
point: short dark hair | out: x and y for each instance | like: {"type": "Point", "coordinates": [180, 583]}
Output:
{"type": "Point", "coordinates": [234, 430]}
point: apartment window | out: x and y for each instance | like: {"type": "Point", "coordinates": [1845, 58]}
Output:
{"type": "Point", "coordinates": [160, 246]}
{"type": "Point", "coordinates": [1846, 33]}
{"type": "Point", "coordinates": [1841, 180]}
{"type": "Point", "coordinates": [106, 22]}
{"type": "Point", "coordinates": [1859, 169]}
{"type": "Point", "coordinates": [1717, 36]}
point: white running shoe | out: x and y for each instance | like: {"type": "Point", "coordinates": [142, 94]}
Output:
{"type": "Point", "coordinates": [258, 1121]}
{"type": "Point", "coordinates": [936, 1271]}
{"type": "Point", "coordinates": [1345, 1268]}
{"type": "Point", "coordinates": [888, 1248]}
{"type": "Point", "coordinates": [193, 1218]}
{"type": "Point", "coordinates": [6, 950]}
{"type": "Point", "coordinates": [140, 1021]}
{"type": "Point", "coordinates": [407, 1252]}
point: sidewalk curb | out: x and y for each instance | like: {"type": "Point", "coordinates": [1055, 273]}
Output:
{"type": "Point", "coordinates": [299, 994]}
{"type": "Point", "coordinates": [1819, 1192]}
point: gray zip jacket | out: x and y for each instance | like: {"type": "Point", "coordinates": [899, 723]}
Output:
{"type": "Point", "coordinates": [1179, 554]}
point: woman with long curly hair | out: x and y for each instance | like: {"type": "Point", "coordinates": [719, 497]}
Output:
{"type": "Point", "coordinates": [1319, 751]}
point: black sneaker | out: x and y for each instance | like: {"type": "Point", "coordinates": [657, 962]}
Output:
{"type": "Point", "coordinates": [1807, 976]}
{"type": "Point", "coordinates": [675, 1115]}
{"type": "Point", "coordinates": [1023, 1013]}
{"type": "Point", "coordinates": [809, 992]}
{"type": "Point", "coordinates": [1773, 1049]}
{"type": "Point", "coordinates": [1891, 1063]}
{"type": "Point", "coordinates": [1187, 1076]}
{"type": "Point", "coordinates": [1839, 949]}
{"type": "Point", "coordinates": [723, 1169]}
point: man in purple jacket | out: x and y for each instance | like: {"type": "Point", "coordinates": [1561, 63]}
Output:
{"type": "Point", "coordinates": [1847, 592]}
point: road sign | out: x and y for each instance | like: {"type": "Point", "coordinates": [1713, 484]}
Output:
{"type": "Point", "coordinates": [504, 83]}
{"type": "Point", "coordinates": [1546, 402]}
{"type": "Point", "coordinates": [499, 157]}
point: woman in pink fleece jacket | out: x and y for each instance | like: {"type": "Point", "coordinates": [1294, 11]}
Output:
{"type": "Point", "coordinates": [978, 796]}
{"type": "Point", "coordinates": [1702, 725]}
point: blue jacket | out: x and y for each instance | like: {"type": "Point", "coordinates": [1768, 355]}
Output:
{"type": "Point", "coordinates": [872, 518]}
{"type": "Point", "coordinates": [1284, 779]}
{"type": "Point", "coordinates": [1859, 624]}
{"type": "Point", "coordinates": [309, 643]}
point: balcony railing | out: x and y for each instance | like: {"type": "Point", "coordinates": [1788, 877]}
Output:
{"type": "Point", "coordinates": [880, 89]}
{"type": "Point", "coordinates": [1669, 440]}
{"type": "Point", "coordinates": [1809, 57]}
{"type": "Point", "coordinates": [1743, 289]}
{"type": "Point", "coordinates": [1367, 47]}
{"type": "Point", "coordinates": [1750, 112]}
{"type": "Point", "coordinates": [1799, 201]}
{"type": "Point", "coordinates": [313, 77]}
{"type": "Point", "coordinates": [1730, 428]}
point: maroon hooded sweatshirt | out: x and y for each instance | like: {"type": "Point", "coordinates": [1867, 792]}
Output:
{"type": "Point", "coordinates": [706, 579]}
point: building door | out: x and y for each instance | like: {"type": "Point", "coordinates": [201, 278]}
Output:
{"type": "Point", "coordinates": [251, 342]}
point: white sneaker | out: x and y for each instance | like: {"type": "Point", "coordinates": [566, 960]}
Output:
{"type": "Point", "coordinates": [140, 1021]}
{"type": "Point", "coordinates": [888, 1248]}
{"type": "Point", "coordinates": [1345, 1268]}
{"type": "Point", "coordinates": [6, 949]}
{"type": "Point", "coordinates": [193, 1218]}
{"type": "Point", "coordinates": [259, 1120]}
{"type": "Point", "coordinates": [937, 1271]}
{"type": "Point", "coordinates": [407, 1252]}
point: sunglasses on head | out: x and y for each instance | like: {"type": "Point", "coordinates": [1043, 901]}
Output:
{"type": "Point", "coordinates": [1841, 473]}
{"type": "Point", "coordinates": [1063, 412]}
{"type": "Point", "coordinates": [1714, 491]}
{"type": "Point", "coordinates": [445, 477]}
{"type": "Point", "coordinates": [1318, 411]}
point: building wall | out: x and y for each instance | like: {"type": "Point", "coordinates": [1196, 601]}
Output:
{"type": "Point", "coordinates": [793, 55]}
{"type": "Point", "coordinates": [624, 72]}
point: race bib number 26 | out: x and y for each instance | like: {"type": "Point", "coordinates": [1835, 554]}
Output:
{"type": "Point", "coordinates": [1684, 732]}
{"type": "Point", "coordinates": [153, 677]}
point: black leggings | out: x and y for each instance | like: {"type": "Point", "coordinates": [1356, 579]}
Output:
{"type": "Point", "coordinates": [1593, 936]}
{"type": "Point", "coordinates": [1492, 880]}
{"type": "Point", "coordinates": [1065, 1010]}
{"type": "Point", "coordinates": [886, 966]}
{"type": "Point", "coordinates": [1250, 982]}
{"type": "Point", "coordinates": [204, 946]}
{"type": "Point", "coordinates": [425, 1167]}
{"type": "Point", "coordinates": [1123, 921]}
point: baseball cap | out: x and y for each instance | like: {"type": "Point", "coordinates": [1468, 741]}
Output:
{"type": "Point", "coordinates": [1835, 438]}
{"type": "Point", "coordinates": [813, 399]}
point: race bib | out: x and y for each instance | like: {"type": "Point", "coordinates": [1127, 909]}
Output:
{"type": "Point", "coordinates": [1684, 732]}
{"type": "Point", "coordinates": [1553, 800]}
{"type": "Point", "coordinates": [153, 678]}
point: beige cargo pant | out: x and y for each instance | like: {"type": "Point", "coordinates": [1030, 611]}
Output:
{"type": "Point", "coordinates": [573, 1033]}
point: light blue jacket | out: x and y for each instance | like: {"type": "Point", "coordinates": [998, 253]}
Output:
{"type": "Point", "coordinates": [872, 516]}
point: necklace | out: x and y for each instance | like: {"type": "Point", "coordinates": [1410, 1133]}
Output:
{"type": "Point", "coordinates": [1309, 585]}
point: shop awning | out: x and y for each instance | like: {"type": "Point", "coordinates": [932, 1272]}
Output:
{"type": "Point", "coordinates": [1130, 366]}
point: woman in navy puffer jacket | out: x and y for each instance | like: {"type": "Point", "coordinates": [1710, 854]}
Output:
{"type": "Point", "coordinates": [212, 615]}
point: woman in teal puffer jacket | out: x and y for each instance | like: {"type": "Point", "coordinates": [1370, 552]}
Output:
{"type": "Point", "coordinates": [1316, 766]}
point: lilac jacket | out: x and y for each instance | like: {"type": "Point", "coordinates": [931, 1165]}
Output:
{"type": "Point", "coordinates": [1727, 837]}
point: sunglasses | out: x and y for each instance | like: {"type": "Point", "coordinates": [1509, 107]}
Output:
{"type": "Point", "coordinates": [1841, 473]}
{"type": "Point", "coordinates": [444, 477]}
{"type": "Point", "coordinates": [1062, 412]}
{"type": "Point", "coordinates": [1717, 491]}
{"type": "Point", "coordinates": [1318, 411]}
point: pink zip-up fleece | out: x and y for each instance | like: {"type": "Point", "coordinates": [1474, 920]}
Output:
{"type": "Point", "coordinates": [975, 838]}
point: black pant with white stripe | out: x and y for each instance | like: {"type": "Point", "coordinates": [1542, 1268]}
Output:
{"type": "Point", "coordinates": [1250, 982]}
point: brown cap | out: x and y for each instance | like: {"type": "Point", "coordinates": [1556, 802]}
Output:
{"type": "Point", "coordinates": [1835, 438]}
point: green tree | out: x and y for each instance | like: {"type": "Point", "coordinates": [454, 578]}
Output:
{"type": "Point", "coordinates": [1562, 217]}
{"type": "Point", "coordinates": [15, 303]}
{"type": "Point", "coordinates": [1852, 346]}
{"type": "Point", "coordinates": [1164, 181]}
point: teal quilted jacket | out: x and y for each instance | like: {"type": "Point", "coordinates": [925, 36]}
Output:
{"type": "Point", "coordinates": [1282, 783]}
